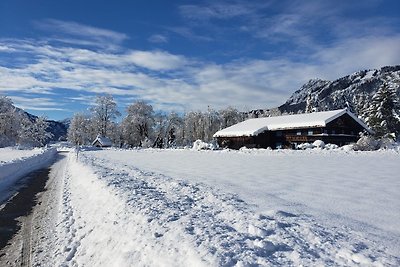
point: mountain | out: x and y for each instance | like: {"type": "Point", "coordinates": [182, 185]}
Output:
{"type": "Point", "coordinates": [57, 128]}
{"type": "Point", "coordinates": [354, 91]}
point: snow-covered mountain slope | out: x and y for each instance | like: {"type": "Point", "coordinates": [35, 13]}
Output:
{"type": "Point", "coordinates": [354, 90]}
{"type": "Point", "coordinates": [58, 129]}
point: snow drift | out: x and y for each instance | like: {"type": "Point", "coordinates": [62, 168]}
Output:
{"type": "Point", "coordinates": [11, 171]}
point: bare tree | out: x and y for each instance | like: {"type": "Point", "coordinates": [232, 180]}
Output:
{"type": "Point", "coordinates": [138, 124]}
{"type": "Point", "coordinates": [104, 111]}
{"type": "Point", "coordinates": [39, 134]}
{"type": "Point", "coordinates": [79, 129]}
{"type": "Point", "coordinates": [9, 122]}
{"type": "Point", "coordinates": [160, 130]}
{"type": "Point", "coordinates": [175, 130]}
{"type": "Point", "coordinates": [230, 116]}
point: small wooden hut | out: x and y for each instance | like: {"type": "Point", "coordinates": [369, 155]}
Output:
{"type": "Point", "coordinates": [102, 141]}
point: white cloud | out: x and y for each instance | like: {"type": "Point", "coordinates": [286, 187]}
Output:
{"type": "Point", "coordinates": [222, 9]}
{"type": "Point", "coordinates": [18, 79]}
{"type": "Point", "coordinates": [158, 38]}
{"type": "Point", "coordinates": [301, 27]}
{"type": "Point", "coordinates": [188, 33]}
{"type": "Point", "coordinates": [156, 60]}
{"type": "Point", "coordinates": [172, 81]}
{"type": "Point", "coordinates": [77, 29]}
{"type": "Point", "coordinates": [4, 48]}
{"type": "Point", "coordinates": [37, 103]}
{"type": "Point", "coordinates": [82, 98]}
{"type": "Point", "coordinates": [359, 53]}
{"type": "Point", "coordinates": [81, 34]}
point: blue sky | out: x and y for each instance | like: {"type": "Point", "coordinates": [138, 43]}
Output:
{"type": "Point", "coordinates": [56, 56]}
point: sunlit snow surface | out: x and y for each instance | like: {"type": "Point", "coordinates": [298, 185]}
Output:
{"type": "Point", "coordinates": [8, 154]}
{"type": "Point", "coordinates": [227, 208]}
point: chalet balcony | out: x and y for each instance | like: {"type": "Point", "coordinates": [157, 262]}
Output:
{"type": "Point", "coordinates": [297, 138]}
{"type": "Point", "coordinates": [313, 137]}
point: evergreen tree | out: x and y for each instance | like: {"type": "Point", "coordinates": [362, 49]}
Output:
{"type": "Point", "coordinates": [349, 105]}
{"type": "Point", "coordinates": [309, 104]}
{"type": "Point", "coordinates": [384, 111]}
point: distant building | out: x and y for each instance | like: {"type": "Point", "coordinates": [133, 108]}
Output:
{"type": "Point", "coordinates": [102, 141]}
{"type": "Point", "coordinates": [338, 127]}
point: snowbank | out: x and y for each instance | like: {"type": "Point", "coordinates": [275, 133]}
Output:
{"type": "Point", "coordinates": [200, 145]}
{"type": "Point", "coordinates": [305, 146]}
{"type": "Point", "coordinates": [319, 144]}
{"type": "Point", "coordinates": [19, 163]}
{"type": "Point", "coordinates": [14, 153]}
{"type": "Point", "coordinates": [369, 143]}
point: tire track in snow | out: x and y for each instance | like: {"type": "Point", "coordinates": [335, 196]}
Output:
{"type": "Point", "coordinates": [45, 250]}
{"type": "Point", "coordinates": [26, 241]}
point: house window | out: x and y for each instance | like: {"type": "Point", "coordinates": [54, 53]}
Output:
{"type": "Point", "coordinates": [298, 133]}
{"type": "Point", "coordinates": [278, 145]}
{"type": "Point", "coordinates": [310, 132]}
{"type": "Point", "coordinates": [278, 133]}
{"type": "Point", "coordinates": [333, 132]}
{"type": "Point", "coordinates": [325, 131]}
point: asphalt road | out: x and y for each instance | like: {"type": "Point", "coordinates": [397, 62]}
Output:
{"type": "Point", "coordinates": [21, 218]}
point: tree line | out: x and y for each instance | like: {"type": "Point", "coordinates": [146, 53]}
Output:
{"type": "Point", "coordinates": [16, 127]}
{"type": "Point", "coordinates": [144, 127]}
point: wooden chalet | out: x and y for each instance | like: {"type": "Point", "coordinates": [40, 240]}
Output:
{"type": "Point", "coordinates": [102, 141]}
{"type": "Point", "coordinates": [338, 127]}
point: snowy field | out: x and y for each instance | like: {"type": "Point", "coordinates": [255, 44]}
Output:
{"type": "Point", "coordinates": [226, 208]}
{"type": "Point", "coordinates": [360, 188]}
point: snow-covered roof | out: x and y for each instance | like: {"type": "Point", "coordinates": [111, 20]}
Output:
{"type": "Point", "coordinates": [253, 127]}
{"type": "Point", "coordinates": [104, 141]}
